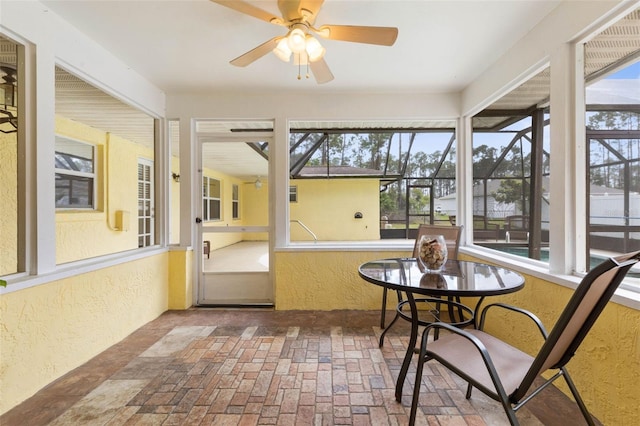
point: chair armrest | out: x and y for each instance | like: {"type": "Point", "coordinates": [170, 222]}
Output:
{"type": "Point", "coordinates": [453, 329]}
{"type": "Point", "coordinates": [482, 349]}
{"type": "Point", "coordinates": [459, 331]}
{"type": "Point", "coordinates": [528, 314]}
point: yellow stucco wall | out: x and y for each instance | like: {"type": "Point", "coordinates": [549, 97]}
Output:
{"type": "Point", "coordinates": [52, 328]}
{"type": "Point", "coordinates": [326, 280]}
{"type": "Point", "coordinates": [8, 205]}
{"type": "Point", "coordinates": [180, 279]}
{"type": "Point", "coordinates": [254, 209]}
{"type": "Point", "coordinates": [606, 368]}
{"type": "Point", "coordinates": [117, 189]}
{"type": "Point", "coordinates": [327, 207]}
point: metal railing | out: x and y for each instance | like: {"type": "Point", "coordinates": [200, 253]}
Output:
{"type": "Point", "coordinates": [306, 228]}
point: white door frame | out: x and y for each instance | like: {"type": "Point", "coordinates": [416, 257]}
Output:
{"type": "Point", "coordinates": [237, 285]}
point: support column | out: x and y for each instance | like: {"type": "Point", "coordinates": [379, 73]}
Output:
{"type": "Point", "coordinates": [535, 190]}
{"type": "Point", "coordinates": [568, 223]}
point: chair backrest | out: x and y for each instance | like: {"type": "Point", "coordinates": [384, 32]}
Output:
{"type": "Point", "coordinates": [516, 222]}
{"type": "Point", "coordinates": [451, 235]}
{"type": "Point", "coordinates": [581, 312]}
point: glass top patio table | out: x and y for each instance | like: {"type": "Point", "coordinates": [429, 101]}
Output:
{"type": "Point", "coordinates": [457, 278]}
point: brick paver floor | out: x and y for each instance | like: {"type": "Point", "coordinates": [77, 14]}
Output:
{"type": "Point", "coordinates": [261, 367]}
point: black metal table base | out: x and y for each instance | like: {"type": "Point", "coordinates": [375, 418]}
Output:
{"type": "Point", "coordinates": [417, 322]}
{"type": "Point", "coordinates": [455, 309]}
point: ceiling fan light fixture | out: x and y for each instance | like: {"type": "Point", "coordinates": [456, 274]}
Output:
{"type": "Point", "coordinates": [282, 50]}
{"type": "Point", "coordinates": [297, 40]}
{"type": "Point", "coordinates": [314, 49]}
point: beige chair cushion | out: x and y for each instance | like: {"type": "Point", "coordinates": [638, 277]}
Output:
{"type": "Point", "coordinates": [511, 363]}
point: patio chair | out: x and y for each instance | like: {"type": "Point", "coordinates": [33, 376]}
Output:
{"type": "Point", "coordinates": [483, 230]}
{"type": "Point", "coordinates": [451, 235]}
{"type": "Point", "coordinates": [507, 374]}
{"type": "Point", "coordinates": [516, 227]}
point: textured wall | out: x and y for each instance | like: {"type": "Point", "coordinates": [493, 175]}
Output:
{"type": "Point", "coordinates": [327, 207]}
{"type": "Point", "coordinates": [180, 279]}
{"type": "Point", "coordinates": [8, 203]}
{"type": "Point", "coordinates": [325, 280]}
{"type": "Point", "coordinates": [52, 328]}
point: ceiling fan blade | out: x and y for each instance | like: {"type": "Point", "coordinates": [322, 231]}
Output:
{"type": "Point", "coordinates": [256, 53]}
{"type": "Point", "coordinates": [321, 71]}
{"type": "Point", "coordinates": [384, 36]}
{"type": "Point", "coordinates": [251, 10]}
{"type": "Point", "coordinates": [294, 9]}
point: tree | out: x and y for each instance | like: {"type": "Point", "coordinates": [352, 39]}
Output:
{"type": "Point", "coordinates": [387, 203]}
{"type": "Point", "coordinates": [513, 191]}
{"type": "Point", "coordinates": [418, 201]}
{"type": "Point", "coordinates": [484, 159]}
{"type": "Point", "coordinates": [614, 120]}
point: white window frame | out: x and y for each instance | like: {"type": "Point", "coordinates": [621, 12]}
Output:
{"type": "Point", "coordinates": [235, 201]}
{"type": "Point", "coordinates": [92, 176]}
{"type": "Point", "coordinates": [207, 198]}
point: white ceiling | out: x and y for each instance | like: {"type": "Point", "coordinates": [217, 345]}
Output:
{"type": "Point", "coordinates": [235, 159]}
{"type": "Point", "coordinates": [186, 45]}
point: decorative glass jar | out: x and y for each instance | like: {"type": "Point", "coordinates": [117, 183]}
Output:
{"type": "Point", "coordinates": [432, 253]}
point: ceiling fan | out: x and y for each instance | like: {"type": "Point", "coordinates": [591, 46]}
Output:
{"type": "Point", "coordinates": [299, 16]}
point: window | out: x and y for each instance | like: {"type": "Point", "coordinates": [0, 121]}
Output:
{"type": "Point", "coordinates": [235, 202]}
{"type": "Point", "coordinates": [210, 199]}
{"type": "Point", "coordinates": [104, 179]}
{"type": "Point", "coordinates": [613, 168]}
{"type": "Point", "coordinates": [511, 171]}
{"type": "Point", "coordinates": [394, 176]}
{"type": "Point", "coordinates": [612, 121]}
{"type": "Point", "coordinates": [75, 174]}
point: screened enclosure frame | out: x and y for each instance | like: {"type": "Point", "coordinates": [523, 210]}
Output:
{"type": "Point", "coordinates": [533, 198]}
{"type": "Point", "coordinates": [630, 166]}
{"type": "Point", "coordinates": [384, 159]}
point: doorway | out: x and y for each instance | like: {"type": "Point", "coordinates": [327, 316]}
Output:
{"type": "Point", "coordinates": [234, 218]}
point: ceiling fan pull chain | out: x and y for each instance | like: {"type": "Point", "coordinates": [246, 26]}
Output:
{"type": "Point", "coordinates": [299, 67]}
{"type": "Point", "coordinates": [307, 69]}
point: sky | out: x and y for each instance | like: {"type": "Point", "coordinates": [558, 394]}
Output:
{"type": "Point", "coordinates": [630, 72]}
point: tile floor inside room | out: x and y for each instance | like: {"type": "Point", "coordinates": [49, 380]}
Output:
{"type": "Point", "coordinates": [255, 367]}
